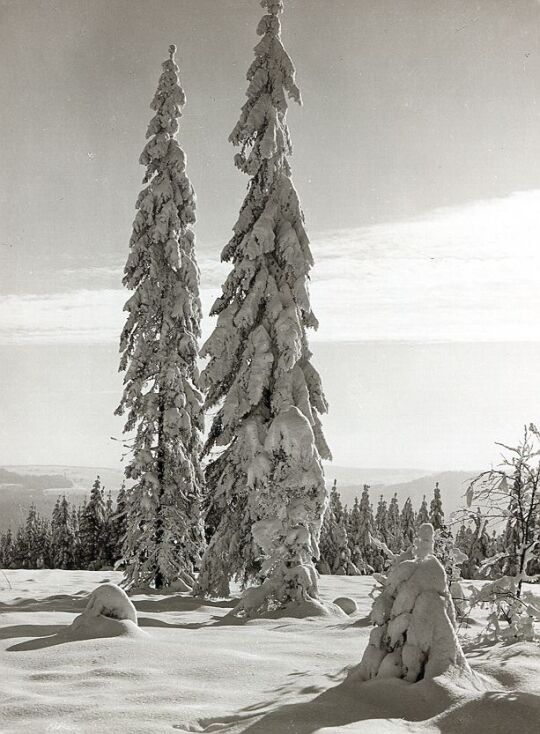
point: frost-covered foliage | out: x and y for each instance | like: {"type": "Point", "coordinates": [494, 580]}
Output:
{"type": "Point", "coordinates": [159, 349]}
{"type": "Point", "coordinates": [511, 617]}
{"type": "Point", "coordinates": [457, 590]}
{"type": "Point", "coordinates": [414, 634]}
{"type": "Point", "coordinates": [267, 484]}
{"type": "Point", "coordinates": [511, 492]}
{"type": "Point", "coordinates": [475, 543]}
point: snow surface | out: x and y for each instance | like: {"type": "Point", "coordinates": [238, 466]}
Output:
{"type": "Point", "coordinates": [189, 671]}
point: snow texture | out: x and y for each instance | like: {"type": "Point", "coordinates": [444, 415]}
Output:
{"type": "Point", "coordinates": [189, 673]}
{"type": "Point", "coordinates": [159, 346]}
{"type": "Point", "coordinates": [414, 634]}
{"type": "Point", "coordinates": [267, 490]}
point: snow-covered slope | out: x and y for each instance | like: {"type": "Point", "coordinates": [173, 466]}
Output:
{"type": "Point", "coordinates": [191, 672]}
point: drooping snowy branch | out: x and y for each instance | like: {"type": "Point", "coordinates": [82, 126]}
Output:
{"type": "Point", "coordinates": [159, 350]}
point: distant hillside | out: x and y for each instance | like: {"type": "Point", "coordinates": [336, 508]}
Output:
{"type": "Point", "coordinates": [452, 484]}
{"type": "Point", "coordinates": [20, 486]}
{"type": "Point", "coordinates": [34, 481]}
{"type": "Point", "coordinates": [353, 476]}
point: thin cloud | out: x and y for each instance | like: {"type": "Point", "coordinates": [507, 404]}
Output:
{"type": "Point", "coordinates": [457, 274]}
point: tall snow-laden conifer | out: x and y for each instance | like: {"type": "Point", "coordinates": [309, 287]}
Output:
{"type": "Point", "coordinates": [159, 349]}
{"type": "Point", "coordinates": [267, 485]}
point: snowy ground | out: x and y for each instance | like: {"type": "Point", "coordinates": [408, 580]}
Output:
{"type": "Point", "coordinates": [189, 672]}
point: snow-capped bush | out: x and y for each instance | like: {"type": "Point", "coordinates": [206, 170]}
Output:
{"type": "Point", "coordinates": [109, 600]}
{"type": "Point", "coordinates": [414, 634]}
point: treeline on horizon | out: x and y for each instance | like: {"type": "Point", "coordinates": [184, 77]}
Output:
{"type": "Point", "coordinates": [83, 537]}
{"type": "Point", "coordinates": [354, 541]}
{"type": "Point", "coordinates": [359, 540]}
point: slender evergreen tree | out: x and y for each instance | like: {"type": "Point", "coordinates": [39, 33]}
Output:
{"type": "Point", "coordinates": [159, 350]}
{"type": "Point", "coordinates": [393, 525]}
{"type": "Point", "coordinates": [423, 515]}
{"type": "Point", "coordinates": [267, 484]}
{"type": "Point", "coordinates": [336, 556]}
{"type": "Point", "coordinates": [77, 550]}
{"type": "Point", "coordinates": [63, 536]}
{"type": "Point", "coordinates": [381, 520]}
{"type": "Point", "coordinates": [407, 521]}
{"type": "Point", "coordinates": [6, 549]}
{"type": "Point", "coordinates": [91, 527]}
{"type": "Point", "coordinates": [436, 514]}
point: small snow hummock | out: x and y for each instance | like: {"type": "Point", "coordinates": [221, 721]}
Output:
{"type": "Point", "coordinates": [109, 613]}
{"type": "Point", "coordinates": [414, 634]}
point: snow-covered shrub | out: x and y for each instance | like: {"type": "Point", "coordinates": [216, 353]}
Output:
{"type": "Point", "coordinates": [511, 492]}
{"type": "Point", "coordinates": [109, 600]}
{"type": "Point", "coordinates": [414, 634]}
{"type": "Point", "coordinates": [511, 618]}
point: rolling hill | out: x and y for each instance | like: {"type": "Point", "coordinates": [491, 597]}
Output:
{"type": "Point", "coordinates": [20, 486]}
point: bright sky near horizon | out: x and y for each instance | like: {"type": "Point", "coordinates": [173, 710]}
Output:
{"type": "Point", "coordinates": [416, 160]}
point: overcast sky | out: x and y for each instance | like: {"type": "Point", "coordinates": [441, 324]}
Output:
{"type": "Point", "coordinates": [416, 157]}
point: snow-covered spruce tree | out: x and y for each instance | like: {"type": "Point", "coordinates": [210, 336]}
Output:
{"type": "Point", "coordinates": [436, 514]}
{"type": "Point", "coordinates": [267, 485]}
{"type": "Point", "coordinates": [381, 520]}
{"type": "Point", "coordinates": [91, 527]}
{"type": "Point", "coordinates": [335, 555]}
{"type": "Point", "coordinates": [395, 540]}
{"type": "Point", "coordinates": [366, 531]}
{"type": "Point", "coordinates": [6, 549]}
{"type": "Point", "coordinates": [353, 534]}
{"type": "Point", "coordinates": [407, 523]}
{"type": "Point", "coordinates": [62, 536]}
{"type": "Point", "coordinates": [159, 349]}
{"type": "Point", "coordinates": [422, 515]}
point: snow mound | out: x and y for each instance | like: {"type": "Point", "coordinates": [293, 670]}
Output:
{"type": "Point", "coordinates": [348, 605]}
{"type": "Point", "coordinates": [302, 609]}
{"type": "Point", "coordinates": [108, 613]}
{"type": "Point", "coordinates": [88, 627]}
{"type": "Point", "coordinates": [109, 600]}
